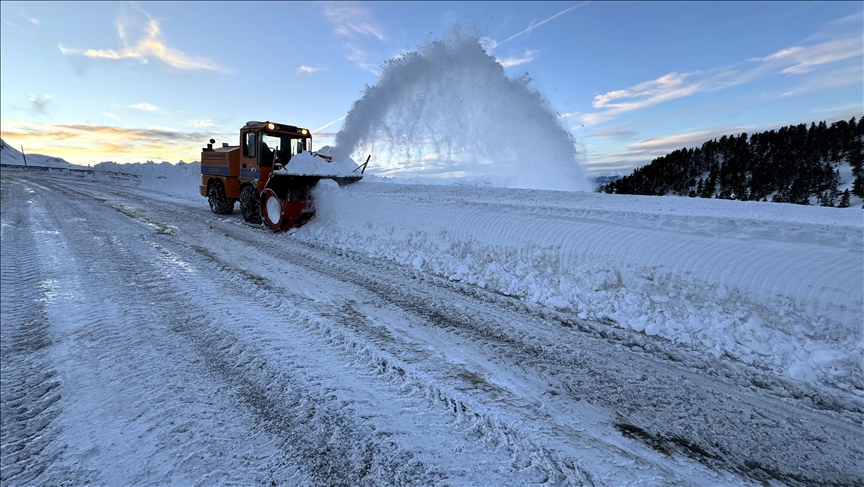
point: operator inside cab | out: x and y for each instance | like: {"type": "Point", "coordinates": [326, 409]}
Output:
{"type": "Point", "coordinates": [265, 156]}
{"type": "Point", "coordinates": [279, 148]}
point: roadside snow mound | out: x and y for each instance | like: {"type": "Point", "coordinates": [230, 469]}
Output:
{"type": "Point", "coordinates": [774, 286]}
{"type": "Point", "coordinates": [12, 156]}
{"type": "Point", "coordinates": [179, 180]}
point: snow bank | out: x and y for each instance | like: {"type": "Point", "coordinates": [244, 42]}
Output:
{"type": "Point", "coordinates": [179, 180]}
{"type": "Point", "coordinates": [12, 156]}
{"type": "Point", "coordinates": [775, 286]}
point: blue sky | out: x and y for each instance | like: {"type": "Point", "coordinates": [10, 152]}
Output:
{"type": "Point", "coordinates": [632, 81]}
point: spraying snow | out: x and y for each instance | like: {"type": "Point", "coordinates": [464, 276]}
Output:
{"type": "Point", "coordinates": [449, 110]}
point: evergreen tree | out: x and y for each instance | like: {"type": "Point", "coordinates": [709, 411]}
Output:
{"type": "Point", "coordinates": [858, 186]}
{"type": "Point", "coordinates": [844, 200]}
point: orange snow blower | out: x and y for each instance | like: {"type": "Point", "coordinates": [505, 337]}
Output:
{"type": "Point", "coordinates": [271, 173]}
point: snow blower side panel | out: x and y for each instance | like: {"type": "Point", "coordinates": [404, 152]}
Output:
{"type": "Point", "coordinates": [221, 164]}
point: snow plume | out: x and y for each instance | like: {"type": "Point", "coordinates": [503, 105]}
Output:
{"type": "Point", "coordinates": [449, 110]}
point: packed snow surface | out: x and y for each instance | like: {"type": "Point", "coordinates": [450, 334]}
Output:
{"type": "Point", "coordinates": [776, 286]}
{"type": "Point", "coordinates": [419, 335]}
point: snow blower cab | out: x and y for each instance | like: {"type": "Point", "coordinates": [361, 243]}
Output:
{"type": "Point", "coordinates": [272, 173]}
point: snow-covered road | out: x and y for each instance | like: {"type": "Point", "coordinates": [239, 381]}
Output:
{"type": "Point", "coordinates": [147, 341]}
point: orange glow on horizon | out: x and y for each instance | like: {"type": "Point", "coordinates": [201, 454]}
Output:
{"type": "Point", "coordinates": [90, 144]}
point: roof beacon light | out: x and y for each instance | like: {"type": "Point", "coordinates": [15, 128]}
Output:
{"type": "Point", "coordinates": [271, 126]}
{"type": "Point", "coordinates": [304, 131]}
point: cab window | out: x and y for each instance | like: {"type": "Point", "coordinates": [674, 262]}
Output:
{"type": "Point", "coordinates": [284, 146]}
{"type": "Point", "coordinates": [249, 145]}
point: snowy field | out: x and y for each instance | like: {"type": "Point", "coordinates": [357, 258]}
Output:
{"type": "Point", "coordinates": [572, 338]}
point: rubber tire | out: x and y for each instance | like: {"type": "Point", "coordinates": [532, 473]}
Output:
{"type": "Point", "coordinates": [219, 203]}
{"type": "Point", "coordinates": [250, 204]}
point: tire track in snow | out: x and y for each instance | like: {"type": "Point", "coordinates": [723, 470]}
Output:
{"type": "Point", "coordinates": [684, 421]}
{"type": "Point", "coordinates": [145, 417]}
{"type": "Point", "coordinates": [526, 459]}
{"type": "Point", "coordinates": [556, 466]}
{"type": "Point", "coordinates": [319, 441]}
{"type": "Point", "coordinates": [29, 385]}
{"type": "Point", "coordinates": [367, 348]}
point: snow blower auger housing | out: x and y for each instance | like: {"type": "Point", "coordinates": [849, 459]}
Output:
{"type": "Point", "coordinates": [271, 173]}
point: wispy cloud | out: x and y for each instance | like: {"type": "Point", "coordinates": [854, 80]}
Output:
{"type": "Point", "coordinates": [526, 57]}
{"type": "Point", "coordinates": [845, 76]}
{"type": "Point", "coordinates": [203, 122]}
{"type": "Point", "coordinates": [360, 57]}
{"type": "Point", "coordinates": [491, 44]}
{"type": "Point", "coordinates": [150, 45]}
{"type": "Point", "coordinates": [664, 145]}
{"type": "Point", "coordinates": [621, 133]}
{"type": "Point", "coordinates": [855, 18]}
{"type": "Point", "coordinates": [111, 115]}
{"type": "Point", "coordinates": [802, 59]}
{"type": "Point", "coordinates": [643, 95]}
{"type": "Point", "coordinates": [144, 106]}
{"type": "Point", "coordinates": [643, 152]}
{"type": "Point", "coordinates": [851, 107]}
{"type": "Point", "coordinates": [40, 105]}
{"type": "Point", "coordinates": [795, 60]}
{"type": "Point", "coordinates": [352, 19]}
{"type": "Point", "coordinates": [354, 22]}
{"type": "Point", "coordinates": [33, 20]}
{"type": "Point", "coordinates": [309, 69]}
{"type": "Point", "coordinates": [319, 129]}
{"type": "Point", "coordinates": [562, 116]}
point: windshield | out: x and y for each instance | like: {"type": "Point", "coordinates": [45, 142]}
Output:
{"type": "Point", "coordinates": [284, 145]}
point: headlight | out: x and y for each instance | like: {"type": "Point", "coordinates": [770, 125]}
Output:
{"type": "Point", "coordinates": [304, 131]}
{"type": "Point", "coordinates": [271, 126]}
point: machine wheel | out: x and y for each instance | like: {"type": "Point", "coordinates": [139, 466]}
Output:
{"type": "Point", "coordinates": [271, 209]}
{"type": "Point", "coordinates": [219, 203]}
{"type": "Point", "coordinates": [250, 204]}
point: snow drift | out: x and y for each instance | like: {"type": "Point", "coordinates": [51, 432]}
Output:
{"type": "Point", "coordinates": [12, 156]}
